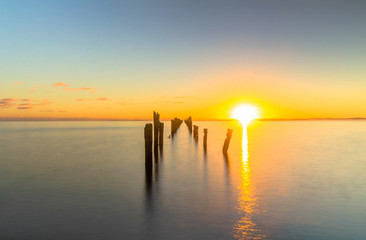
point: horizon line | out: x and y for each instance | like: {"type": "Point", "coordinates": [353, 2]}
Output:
{"type": "Point", "coordinates": [25, 119]}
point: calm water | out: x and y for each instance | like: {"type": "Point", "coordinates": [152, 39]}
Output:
{"type": "Point", "coordinates": [87, 180]}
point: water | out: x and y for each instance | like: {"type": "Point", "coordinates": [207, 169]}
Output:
{"type": "Point", "coordinates": [87, 180]}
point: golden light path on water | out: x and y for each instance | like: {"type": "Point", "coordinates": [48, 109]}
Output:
{"type": "Point", "coordinates": [245, 227]}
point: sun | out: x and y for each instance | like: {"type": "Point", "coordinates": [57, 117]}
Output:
{"type": "Point", "coordinates": [245, 113]}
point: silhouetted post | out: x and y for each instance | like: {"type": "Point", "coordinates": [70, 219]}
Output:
{"type": "Point", "coordinates": [175, 124]}
{"type": "Point", "coordinates": [156, 129]}
{"type": "Point", "coordinates": [161, 134]}
{"type": "Point", "coordinates": [205, 138]}
{"type": "Point", "coordinates": [148, 144]}
{"type": "Point", "coordinates": [188, 121]}
{"type": "Point", "coordinates": [227, 141]}
{"type": "Point", "coordinates": [195, 131]}
{"type": "Point", "coordinates": [172, 128]}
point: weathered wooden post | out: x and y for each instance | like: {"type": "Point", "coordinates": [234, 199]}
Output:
{"type": "Point", "coordinates": [227, 141]}
{"type": "Point", "coordinates": [195, 131]}
{"type": "Point", "coordinates": [161, 134]}
{"type": "Point", "coordinates": [205, 138]}
{"type": "Point", "coordinates": [156, 130]}
{"type": "Point", "coordinates": [148, 144]}
{"type": "Point", "coordinates": [172, 128]}
{"type": "Point", "coordinates": [175, 124]}
{"type": "Point", "coordinates": [188, 121]}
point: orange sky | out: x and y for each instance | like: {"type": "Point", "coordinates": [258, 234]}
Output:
{"type": "Point", "coordinates": [205, 96]}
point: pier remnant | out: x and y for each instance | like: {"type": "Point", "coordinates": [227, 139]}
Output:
{"type": "Point", "coordinates": [227, 140]}
{"type": "Point", "coordinates": [195, 131]}
{"type": "Point", "coordinates": [161, 134]}
{"type": "Point", "coordinates": [148, 144]}
{"type": "Point", "coordinates": [156, 129]}
{"type": "Point", "coordinates": [175, 124]}
{"type": "Point", "coordinates": [188, 122]}
{"type": "Point", "coordinates": [205, 138]}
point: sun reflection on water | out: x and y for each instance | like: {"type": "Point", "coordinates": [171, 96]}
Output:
{"type": "Point", "coordinates": [245, 227]}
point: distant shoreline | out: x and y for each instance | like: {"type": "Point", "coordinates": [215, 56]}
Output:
{"type": "Point", "coordinates": [313, 119]}
{"type": "Point", "coordinates": [116, 120]}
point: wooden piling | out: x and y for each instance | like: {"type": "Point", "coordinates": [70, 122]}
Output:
{"type": "Point", "coordinates": [148, 144]}
{"type": "Point", "coordinates": [205, 138]}
{"type": "Point", "coordinates": [161, 134]}
{"type": "Point", "coordinates": [175, 124]}
{"type": "Point", "coordinates": [172, 128]}
{"type": "Point", "coordinates": [195, 131]}
{"type": "Point", "coordinates": [188, 122]}
{"type": "Point", "coordinates": [227, 141]}
{"type": "Point", "coordinates": [156, 128]}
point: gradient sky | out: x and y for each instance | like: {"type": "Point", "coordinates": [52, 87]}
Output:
{"type": "Point", "coordinates": [124, 59]}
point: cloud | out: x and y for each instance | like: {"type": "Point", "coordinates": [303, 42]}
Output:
{"type": "Point", "coordinates": [33, 89]}
{"type": "Point", "coordinates": [24, 103]}
{"type": "Point", "coordinates": [93, 99]}
{"type": "Point", "coordinates": [17, 83]}
{"type": "Point", "coordinates": [102, 99]}
{"type": "Point", "coordinates": [66, 87]}
{"type": "Point", "coordinates": [81, 89]}
{"type": "Point", "coordinates": [25, 106]}
{"type": "Point", "coordinates": [7, 102]}
{"type": "Point", "coordinates": [61, 84]}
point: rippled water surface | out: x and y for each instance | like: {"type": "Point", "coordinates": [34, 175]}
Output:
{"type": "Point", "coordinates": [87, 180]}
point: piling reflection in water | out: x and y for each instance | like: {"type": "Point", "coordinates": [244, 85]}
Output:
{"type": "Point", "coordinates": [148, 184]}
{"type": "Point", "coordinates": [245, 227]}
{"type": "Point", "coordinates": [151, 177]}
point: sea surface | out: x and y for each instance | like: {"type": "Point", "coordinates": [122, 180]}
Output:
{"type": "Point", "coordinates": [87, 180]}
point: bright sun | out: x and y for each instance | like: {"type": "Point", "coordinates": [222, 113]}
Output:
{"type": "Point", "coordinates": [245, 113]}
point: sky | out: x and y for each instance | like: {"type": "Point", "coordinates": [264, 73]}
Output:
{"type": "Point", "coordinates": [124, 59]}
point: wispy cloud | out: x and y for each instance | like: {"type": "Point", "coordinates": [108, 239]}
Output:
{"type": "Point", "coordinates": [93, 99]}
{"type": "Point", "coordinates": [34, 89]}
{"type": "Point", "coordinates": [24, 103]}
{"type": "Point", "coordinates": [9, 99]}
{"type": "Point", "coordinates": [61, 84]}
{"type": "Point", "coordinates": [25, 106]}
{"type": "Point", "coordinates": [80, 89]}
{"type": "Point", "coordinates": [8, 102]}
{"type": "Point", "coordinates": [17, 83]}
{"type": "Point", "coordinates": [66, 87]}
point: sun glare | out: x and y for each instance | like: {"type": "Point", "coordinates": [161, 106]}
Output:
{"type": "Point", "coordinates": [245, 113]}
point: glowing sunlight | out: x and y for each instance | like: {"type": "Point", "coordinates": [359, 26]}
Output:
{"type": "Point", "coordinates": [245, 113]}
